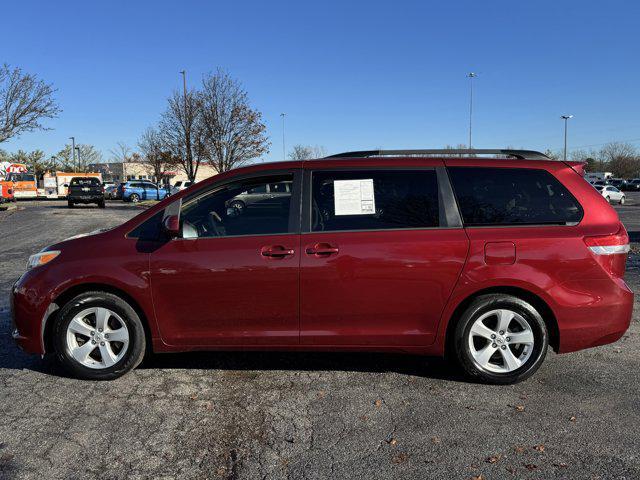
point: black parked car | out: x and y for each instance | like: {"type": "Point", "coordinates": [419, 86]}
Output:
{"type": "Point", "coordinates": [85, 190]}
{"type": "Point", "coordinates": [619, 183]}
{"type": "Point", "coordinates": [632, 185]}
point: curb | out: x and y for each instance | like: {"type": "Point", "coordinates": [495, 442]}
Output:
{"type": "Point", "coordinates": [7, 208]}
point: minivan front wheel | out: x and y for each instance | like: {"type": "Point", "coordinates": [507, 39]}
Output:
{"type": "Point", "coordinates": [98, 336]}
{"type": "Point", "coordinates": [501, 339]}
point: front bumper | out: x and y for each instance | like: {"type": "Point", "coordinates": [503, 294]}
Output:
{"type": "Point", "coordinates": [29, 313]}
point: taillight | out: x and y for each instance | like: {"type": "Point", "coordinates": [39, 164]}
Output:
{"type": "Point", "coordinates": [611, 251]}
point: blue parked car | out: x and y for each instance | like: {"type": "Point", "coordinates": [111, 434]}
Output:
{"type": "Point", "coordinates": [136, 190]}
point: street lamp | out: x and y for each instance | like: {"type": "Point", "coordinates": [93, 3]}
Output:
{"type": "Point", "coordinates": [471, 76]}
{"type": "Point", "coordinates": [284, 154]}
{"type": "Point", "coordinates": [78, 149]}
{"type": "Point", "coordinates": [565, 118]}
{"type": "Point", "coordinates": [73, 151]}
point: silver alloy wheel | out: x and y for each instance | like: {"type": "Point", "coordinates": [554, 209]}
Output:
{"type": "Point", "coordinates": [500, 341]}
{"type": "Point", "coordinates": [97, 338]}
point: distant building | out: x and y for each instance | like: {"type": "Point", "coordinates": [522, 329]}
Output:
{"type": "Point", "coordinates": [124, 171]}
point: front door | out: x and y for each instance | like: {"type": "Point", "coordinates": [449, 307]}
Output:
{"type": "Point", "coordinates": [381, 257]}
{"type": "Point", "coordinates": [233, 276]}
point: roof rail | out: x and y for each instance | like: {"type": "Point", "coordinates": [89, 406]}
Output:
{"type": "Point", "coordinates": [519, 154]}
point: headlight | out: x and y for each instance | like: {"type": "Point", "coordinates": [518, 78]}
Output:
{"type": "Point", "coordinates": [41, 258]}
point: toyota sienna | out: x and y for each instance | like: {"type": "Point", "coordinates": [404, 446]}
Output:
{"type": "Point", "coordinates": [489, 260]}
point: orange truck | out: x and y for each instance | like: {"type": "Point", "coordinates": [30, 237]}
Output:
{"type": "Point", "coordinates": [6, 186]}
{"type": "Point", "coordinates": [6, 192]}
{"type": "Point", "coordinates": [18, 179]}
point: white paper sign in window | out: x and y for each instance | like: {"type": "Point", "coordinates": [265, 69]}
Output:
{"type": "Point", "coordinates": [354, 197]}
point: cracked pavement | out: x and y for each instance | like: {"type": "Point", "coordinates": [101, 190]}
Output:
{"type": "Point", "coordinates": [306, 415]}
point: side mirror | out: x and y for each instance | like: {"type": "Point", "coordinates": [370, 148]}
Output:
{"type": "Point", "coordinates": [171, 226]}
{"type": "Point", "coordinates": [66, 185]}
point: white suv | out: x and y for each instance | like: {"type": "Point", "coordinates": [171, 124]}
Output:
{"type": "Point", "coordinates": [180, 185]}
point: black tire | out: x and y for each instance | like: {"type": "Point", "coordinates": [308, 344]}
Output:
{"type": "Point", "coordinates": [134, 198]}
{"type": "Point", "coordinates": [70, 204]}
{"type": "Point", "coordinates": [484, 304]}
{"type": "Point", "coordinates": [238, 204]}
{"type": "Point", "coordinates": [136, 347]}
{"type": "Point", "coordinates": [101, 204]}
{"type": "Point", "coordinates": [608, 199]}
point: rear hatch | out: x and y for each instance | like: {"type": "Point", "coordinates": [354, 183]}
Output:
{"type": "Point", "coordinates": [85, 187]}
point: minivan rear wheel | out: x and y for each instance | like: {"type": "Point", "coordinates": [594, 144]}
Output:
{"type": "Point", "coordinates": [98, 336]}
{"type": "Point", "coordinates": [501, 339]}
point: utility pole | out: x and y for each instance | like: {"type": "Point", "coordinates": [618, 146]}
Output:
{"type": "Point", "coordinates": [73, 152]}
{"type": "Point", "coordinates": [187, 129]}
{"type": "Point", "coordinates": [566, 120]}
{"type": "Point", "coordinates": [471, 76]}
{"type": "Point", "coordinates": [78, 149]}
{"type": "Point", "coordinates": [284, 150]}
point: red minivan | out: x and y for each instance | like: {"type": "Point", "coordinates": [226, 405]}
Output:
{"type": "Point", "coordinates": [432, 252]}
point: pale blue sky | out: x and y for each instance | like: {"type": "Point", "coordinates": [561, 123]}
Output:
{"type": "Point", "coordinates": [349, 75]}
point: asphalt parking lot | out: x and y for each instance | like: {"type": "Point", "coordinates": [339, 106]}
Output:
{"type": "Point", "coordinates": [300, 415]}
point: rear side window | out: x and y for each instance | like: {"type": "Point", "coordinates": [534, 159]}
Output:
{"type": "Point", "coordinates": [374, 200]}
{"type": "Point", "coordinates": [512, 196]}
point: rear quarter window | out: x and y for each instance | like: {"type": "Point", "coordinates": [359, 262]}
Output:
{"type": "Point", "coordinates": [512, 196]}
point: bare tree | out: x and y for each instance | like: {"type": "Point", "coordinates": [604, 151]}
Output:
{"type": "Point", "coordinates": [460, 146]}
{"type": "Point", "coordinates": [86, 155]}
{"type": "Point", "coordinates": [24, 102]}
{"type": "Point", "coordinates": [306, 152]}
{"type": "Point", "coordinates": [234, 132]}
{"type": "Point", "coordinates": [621, 158]}
{"type": "Point", "coordinates": [35, 161]}
{"type": "Point", "coordinates": [181, 132]}
{"type": "Point", "coordinates": [121, 152]}
{"type": "Point", "coordinates": [590, 157]}
{"type": "Point", "coordinates": [155, 159]}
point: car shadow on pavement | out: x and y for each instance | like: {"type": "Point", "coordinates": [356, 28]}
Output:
{"type": "Point", "coordinates": [412, 365]}
{"type": "Point", "coordinates": [12, 358]}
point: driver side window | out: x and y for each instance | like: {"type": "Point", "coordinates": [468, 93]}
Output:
{"type": "Point", "coordinates": [238, 209]}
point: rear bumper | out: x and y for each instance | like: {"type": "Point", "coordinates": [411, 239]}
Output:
{"type": "Point", "coordinates": [591, 313]}
{"type": "Point", "coordinates": [86, 199]}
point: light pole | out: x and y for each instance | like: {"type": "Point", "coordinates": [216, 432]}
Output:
{"type": "Point", "coordinates": [187, 142]}
{"type": "Point", "coordinates": [566, 120]}
{"type": "Point", "coordinates": [471, 76]}
{"type": "Point", "coordinates": [284, 150]}
{"type": "Point", "coordinates": [78, 149]}
{"type": "Point", "coordinates": [73, 151]}
{"type": "Point", "coordinates": [184, 85]}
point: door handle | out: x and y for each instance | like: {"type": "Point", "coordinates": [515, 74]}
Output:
{"type": "Point", "coordinates": [276, 251]}
{"type": "Point", "coordinates": [321, 250]}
